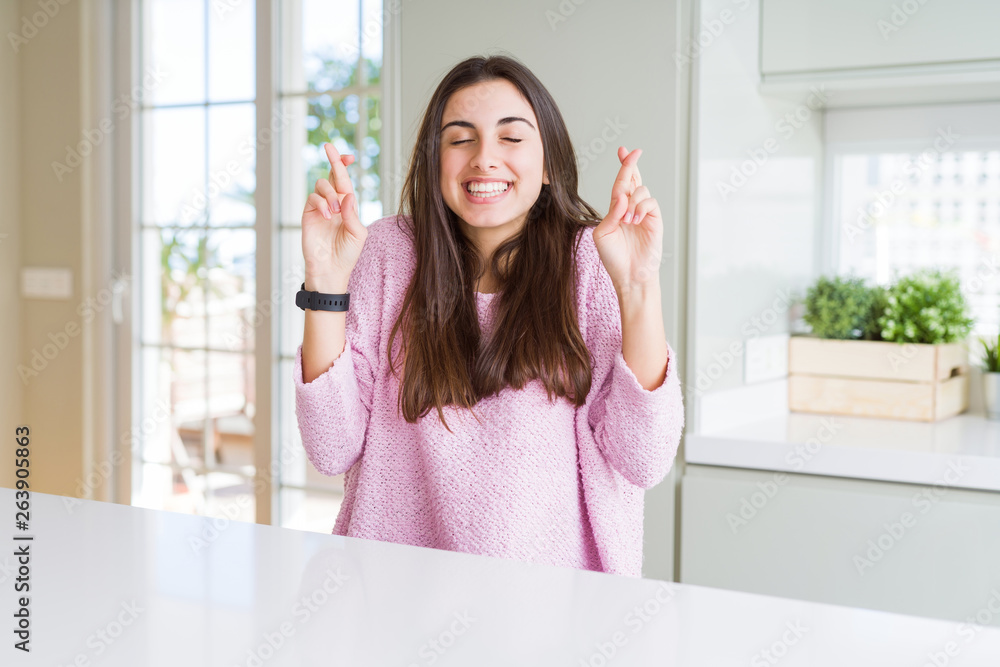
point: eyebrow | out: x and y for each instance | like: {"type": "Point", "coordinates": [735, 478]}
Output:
{"type": "Point", "coordinates": [503, 121]}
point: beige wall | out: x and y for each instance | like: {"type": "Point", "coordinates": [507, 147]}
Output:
{"type": "Point", "coordinates": [10, 257]}
{"type": "Point", "coordinates": [40, 117]}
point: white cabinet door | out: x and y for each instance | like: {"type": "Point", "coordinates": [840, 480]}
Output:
{"type": "Point", "coordinates": [799, 36]}
{"type": "Point", "coordinates": [925, 551]}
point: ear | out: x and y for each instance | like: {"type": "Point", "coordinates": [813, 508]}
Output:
{"type": "Point", "coordinates": [545, 177]}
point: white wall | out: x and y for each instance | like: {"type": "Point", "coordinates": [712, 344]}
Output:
{"type": "Point", "coordinates": [755, 235]}
{"type": "Point", "coordinates": [600, 61]}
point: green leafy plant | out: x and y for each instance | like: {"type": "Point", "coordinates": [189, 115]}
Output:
{"type": "Point", "coordinates": [183, 269]}
{"type": "Point", "coordinates": [991, 355]}
{"type": "Point", "coordinates": [926, 307]}
{"type": "Point", "coordinates": [844, 308]}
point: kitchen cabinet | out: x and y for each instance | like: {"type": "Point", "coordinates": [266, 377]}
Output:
{"type": "Point", "coordinates": [880, 514]}
{"type": "Point", "coordinates": [816, 35]}
{"type": "Point", "coordinates": [882, 52]}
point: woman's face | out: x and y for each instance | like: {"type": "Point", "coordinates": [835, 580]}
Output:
{"type": "Point", "coordinates": [489, 135]}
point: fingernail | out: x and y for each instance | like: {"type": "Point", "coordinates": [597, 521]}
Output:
{"type": "Point", "coordinates": [336, 206]}
{"type": "Point", "coordinates": [326, 212]}
{"type": "Point", "coordinates": [628, 218]}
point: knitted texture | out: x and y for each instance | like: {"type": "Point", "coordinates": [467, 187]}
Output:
{"type": "Point", "coordinates": [536, 481]}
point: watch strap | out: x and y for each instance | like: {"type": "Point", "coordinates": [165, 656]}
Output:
{"type": "Point", "coordinates": [319, 301]}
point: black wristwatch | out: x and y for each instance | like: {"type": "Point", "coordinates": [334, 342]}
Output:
{"type": "Point", "coordinates": [320, 301]}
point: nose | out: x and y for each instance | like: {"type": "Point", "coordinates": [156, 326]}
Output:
{"type": "Point", "coordinates": [485, 158]}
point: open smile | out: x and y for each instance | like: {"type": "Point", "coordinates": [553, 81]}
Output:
{"type": "Point", "coordinates": [490, 196]}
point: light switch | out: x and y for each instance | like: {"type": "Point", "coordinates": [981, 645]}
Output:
{"type": "Point", "coordinates": [46, 283]}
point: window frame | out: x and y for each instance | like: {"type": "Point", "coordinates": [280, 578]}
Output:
{"type": "Point", "coordinates": [126, 74]}
{"type": "Point", "coordinates": [895, 129]}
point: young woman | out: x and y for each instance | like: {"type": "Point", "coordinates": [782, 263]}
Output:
{"type": "Point", "coordinates": [500, 383]}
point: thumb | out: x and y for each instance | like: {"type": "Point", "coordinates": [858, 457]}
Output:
{"type": "Point", "coordinates": [612, 221]}
{"type": "Point", "coordinates": [618, 208]}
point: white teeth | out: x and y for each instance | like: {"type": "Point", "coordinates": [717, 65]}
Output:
{"type": "Point", "coordinates": [487, 189]}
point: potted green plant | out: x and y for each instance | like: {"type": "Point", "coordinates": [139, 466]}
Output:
{"type": "Point", "coordinates": [991, 376]}
{"type": "Point", "coordinates": [893, 352]}
{"type": "Point", "coordinates": [844, 308]}
{"type": "Point", "coordinates": [926, 307]}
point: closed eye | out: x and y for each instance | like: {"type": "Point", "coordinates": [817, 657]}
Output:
{"type": "Point", "coordinates": [463, 141]}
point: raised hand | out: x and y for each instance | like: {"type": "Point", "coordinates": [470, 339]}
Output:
{"type": "Point", "coordinates": [630, 238]}
{"type": "Point", "coordinates": [332, 233]}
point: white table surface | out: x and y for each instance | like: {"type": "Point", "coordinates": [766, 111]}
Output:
{"type": "Point", "coordinates": [962, 451]}
{"type": "Point", "coordinates": [138, 578]}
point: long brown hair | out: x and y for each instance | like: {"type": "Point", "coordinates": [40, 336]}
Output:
{"type": "Point", "coordinates": [535, 317]}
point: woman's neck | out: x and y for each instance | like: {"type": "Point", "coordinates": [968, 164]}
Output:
{"type": "Point", "coordinates": [486, 284]}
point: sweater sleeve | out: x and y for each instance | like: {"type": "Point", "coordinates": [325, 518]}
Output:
{"type": "Point", "coordinates": [333, 410]}
{"type": "Point", "coordinates": [637, 430]}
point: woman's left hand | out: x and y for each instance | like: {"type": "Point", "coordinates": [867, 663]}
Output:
{"type": "Point", "coordinates": [630, 238]}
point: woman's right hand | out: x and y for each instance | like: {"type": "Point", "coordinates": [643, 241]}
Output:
{"type": "Point", "coordinates": [332, 234]}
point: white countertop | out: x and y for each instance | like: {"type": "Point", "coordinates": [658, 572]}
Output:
{"type": "Point", "coordinates": [119, 585]}
{"type": "Point", "coordinates": [962, 451]}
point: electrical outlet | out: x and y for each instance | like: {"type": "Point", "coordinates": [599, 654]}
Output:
{"type": "Point", "coordinates": [766, 358]}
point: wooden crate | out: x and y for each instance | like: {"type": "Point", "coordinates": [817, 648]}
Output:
{"type": "Point", "coordinates": [877, 378]}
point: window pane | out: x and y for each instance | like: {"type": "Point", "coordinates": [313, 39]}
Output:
{"type": "Point", "coordinates": [198, 285]}
{"type": "Point", "coordinates": [186, 370]}
{"type": "Point", "coordinates": [232, 157]}
{"type": "Point", "coordinates": [371, 36]}
{"type": "Point", "coordinates": [216, 494]}
{"type": "Point", "coordinates": [369, 181]}
{"type": "Point", "coordinates": [233, 313]}
{"type": "Point", "coordinates": [151, 284]}
{"type": "Point", "coordinates": [232, 50]}
{"type": "Point", "coordinates": [174, 40]}
{"type": "Point", "coordinates": [233, 289]}
{"type": "Point", "coordinates": [157, 488]}
{"type": "Point", "coordinates": [312, 123]}
{"type": "Point", "coordinates": [230, 496]}
{"type": "Point", "coordinates": [173, 300]}
{"type": "Point", "coordinates": [330, 43]}
{"type": "Point", "coordinates": [899, 212]}
{"type": "Point", "coordinates": [172, 423]}
{"type": "Point", "coordinates": [293, 188]}
{"type": "Point", "coordinates": [231, 398]}
{"type": "Point", "coordinates": [154, 435]}
{"type": "Point", "coordinates": [331, 120]}
{"type": "Point", "coordinates": [292, 317]}
{"type": "Point", "coordinates": [309, 510]}
{"type": "Point", "coordinates": [180, 421]}
{"type": "Point", "coordinates": [174, 166]}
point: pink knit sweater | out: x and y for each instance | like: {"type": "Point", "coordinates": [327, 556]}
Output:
{"type": "Point", "coordinates": [536, 481]}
